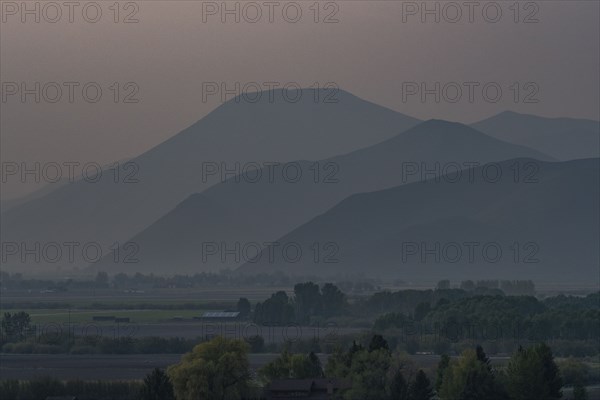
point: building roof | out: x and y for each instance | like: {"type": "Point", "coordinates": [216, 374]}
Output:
{"type": "Point", "coordinates": [61, 398]}
{"type": "Point", "coordinates": [292, 385]}
{"type": "Point", "coordinates": [337, 383]}
{"type": "Point", "coordinates": [307, 385]}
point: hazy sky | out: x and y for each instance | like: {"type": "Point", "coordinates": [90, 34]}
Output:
{"type": "Point", "coordinates": [372, 51]}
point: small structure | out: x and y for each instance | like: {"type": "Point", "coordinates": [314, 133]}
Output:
{"type": "Point", "coordinates": [62, 398]}
{"type": "Point", "coordinates": [103, 318]}
{"type": "Point", "coordinates": [315, 389]}
{"type": "Point", "coordinates": [220, 315]}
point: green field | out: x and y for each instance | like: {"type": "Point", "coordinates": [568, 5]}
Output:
{"type": "Point", "coordinates": [60, 316]}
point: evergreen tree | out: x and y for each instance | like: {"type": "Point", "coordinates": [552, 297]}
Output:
{"type": "Point", "coordinates": [421, 389]}
{"type": "Point", "coordinates": [316, 369]}
{"type": "Point", "coordinates": [354, 349]}
{"type": "Point", "coordinates": [550, 370]}
{"type": "Point", "coordinates": [157, 386]}
{"type": "Point", "coordinates": [398, 387]}
{"type": "Point", "coordinates": [579, 392]}
{"type": "Point", "coordinates": [244, 307]}
{"type": "Point", "coordinates": [532, 373]}
{"type": "Point", "coordinates": [481, 356]}
{"type": "Point", "coordinates": [378, 343]}
{"type": "Point", "coordinates": [442, 367]}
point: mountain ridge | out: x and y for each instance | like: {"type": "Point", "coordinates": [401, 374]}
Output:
{"type": "Point", "coordinates": [368, 227]}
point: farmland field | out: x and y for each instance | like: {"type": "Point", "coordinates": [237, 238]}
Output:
{"type": "Point", "coordinates": [117, 367]}
{"type": "Point", "coordinates": [142, 307]}
{"type": "Point", "coordinates": [93, 367]}
{"type": "Point", "coordinates": [166, 296]}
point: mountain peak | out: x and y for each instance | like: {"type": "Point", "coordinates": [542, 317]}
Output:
{"type": "Point", "coordinates": [279, 95]}
{"type": "Point", "coordinates": [440, 128]}
{"type": "Point", "coordinates": [440, 123]}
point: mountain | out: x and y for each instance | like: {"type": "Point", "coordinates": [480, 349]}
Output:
{"type": "Point", "coordinates": [36, 194]}
{"type": "Point", "coordinates": [45, 189]}
{"type": "Point", "coordinates": [7, 204]}
{"type": "Point", "coordinates": [542, 225]}
{"type": "Point", "coordinates": [229, 223]}
{"type": "Point", "coordinates": [273, 128]}
{"type": "Point", "coordinates": [561, 138]}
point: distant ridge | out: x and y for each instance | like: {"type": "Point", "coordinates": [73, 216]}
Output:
{"type": "Point", "coordinates": [562, 138]}
{"type": "Point", "coordinates": [235, 132]}
{"type": "Point", "coordinates": [249, 214]}
{"type": "Point", "coordinates": [554, 221]}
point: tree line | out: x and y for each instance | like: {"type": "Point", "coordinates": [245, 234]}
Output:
{"type": "Point", "coordinates": [220, 369]}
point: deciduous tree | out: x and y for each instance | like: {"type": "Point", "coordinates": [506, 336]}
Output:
{"type": "Point", "coordinates": [217, 369]}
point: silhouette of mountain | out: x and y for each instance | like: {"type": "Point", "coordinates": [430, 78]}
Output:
{"type": "Point", "coordinates": [271, 129]}
{"type": "Point", "coordinates": [536, 224]}
{"type": "Point", "coordinates": [562, 138]}
{"type": "Point", "coordinates": [229, 222]}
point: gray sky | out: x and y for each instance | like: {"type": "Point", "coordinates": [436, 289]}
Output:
{"type": "Point", "coordinates": [370, 52]}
